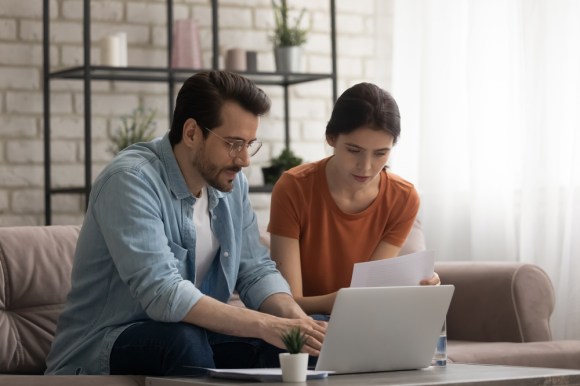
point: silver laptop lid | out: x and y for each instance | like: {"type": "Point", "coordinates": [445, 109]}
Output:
{"type": "Point", "coordinates": [384, 328]}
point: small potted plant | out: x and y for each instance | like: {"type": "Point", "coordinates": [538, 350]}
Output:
{"type": "Point", "coordinates": [286, 160]}
{"type": "Point", "coordinates": [294, 363]}
{"type": "Point", "coordinates": [139, 126]}
{"type": "Point", "coordinates": [288, 39]}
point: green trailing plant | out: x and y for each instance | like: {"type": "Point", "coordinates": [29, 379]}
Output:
{"type": "Point", "coordinates": [138, 126]}
{"type": "Point", "coordinates": [286, 35]}
{"type": "Point", "coordinates": [294, 340]}
{"type": "Point", "coordinates": [285, 161]}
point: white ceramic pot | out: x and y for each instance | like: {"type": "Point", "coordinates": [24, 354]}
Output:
{"type": "Point", "coordinates": [294, 367]}
{"type": "Point", "coordinates": [288, 59]}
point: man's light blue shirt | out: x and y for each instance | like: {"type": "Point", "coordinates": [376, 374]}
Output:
{"type": "Point", "coordinates": [135, 256]}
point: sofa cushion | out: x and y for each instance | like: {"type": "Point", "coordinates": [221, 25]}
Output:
{"type": "Point", "coordinates": [73, 380]}
{"type": "Point", "coordinates": [557, 354]}
{"type": "Point", "coordinates": [35, 267]}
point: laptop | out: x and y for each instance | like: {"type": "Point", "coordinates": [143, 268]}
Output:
{"type": "Point", "coordinates": [384, 328]}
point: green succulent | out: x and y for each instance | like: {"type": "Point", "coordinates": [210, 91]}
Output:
{"type": "Point", "coordinates": [284, 34]}
{"type": "Point", "coordinates": [139, 126]}
{"type": "Point", "coordinates": [294, 340]}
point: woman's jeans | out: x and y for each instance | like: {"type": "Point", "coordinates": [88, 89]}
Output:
{"type": "Point", "coordinates": [156, 348]}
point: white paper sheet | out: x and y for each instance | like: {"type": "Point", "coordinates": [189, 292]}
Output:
{"type": "Point", "coordinates": [397, 271]}
{"type": "Point", "coordinates": [261, 374]}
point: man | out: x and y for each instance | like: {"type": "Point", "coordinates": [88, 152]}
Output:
{"type": "Point", "coordinates": [169, 234]}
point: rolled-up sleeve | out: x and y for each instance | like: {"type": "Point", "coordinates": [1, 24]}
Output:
{"type": "Point", "coordinates": [135, 234]}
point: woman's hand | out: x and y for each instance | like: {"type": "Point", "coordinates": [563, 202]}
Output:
{"type": "Point", "coordinates": [434, 280]}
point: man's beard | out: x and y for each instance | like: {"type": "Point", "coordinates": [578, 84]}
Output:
{"type": "Point", "coordinates": [211, 173]}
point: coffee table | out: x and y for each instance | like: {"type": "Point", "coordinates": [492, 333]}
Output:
{"type": "Point", "coordinates": [452, 374]}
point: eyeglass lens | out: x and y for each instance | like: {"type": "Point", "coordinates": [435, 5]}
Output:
{"type": "Point", "coordinates": [238, 146]}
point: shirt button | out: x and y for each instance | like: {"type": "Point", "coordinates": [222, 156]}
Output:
{"type": "Point", "coordinates": [226, 254]}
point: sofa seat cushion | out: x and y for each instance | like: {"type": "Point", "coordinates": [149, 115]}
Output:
{"type": "Point", "coordinates": [76, 380]}
{"type": "Point", "coordinates": [556, 354]}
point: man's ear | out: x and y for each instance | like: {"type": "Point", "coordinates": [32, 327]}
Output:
{"type": "Point", "coordinates": [190, 131]}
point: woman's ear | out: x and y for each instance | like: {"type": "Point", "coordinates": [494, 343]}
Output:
{"type": "Point", "coordinates": [331, 140]}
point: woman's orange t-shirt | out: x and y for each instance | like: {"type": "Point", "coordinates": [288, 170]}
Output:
{"type": "Point", "coordinates": [332, 241]}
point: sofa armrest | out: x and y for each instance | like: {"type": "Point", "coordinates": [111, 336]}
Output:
{"type": "Point", "coordinates": [498, 301]}
{"type": "Point", "coordinates": [35, 267]}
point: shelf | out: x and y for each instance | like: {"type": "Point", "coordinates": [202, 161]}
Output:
{"type": "Point", "coordinates": [261, 188]}
{"type": "Point", "coordinates": [171, 76]}
{"type": "Point", "coordinates": [68, 190]}
{"type": "Point", "coordinates": [163, 74]}
{"type": "Point", "coordinates": [76, 190]}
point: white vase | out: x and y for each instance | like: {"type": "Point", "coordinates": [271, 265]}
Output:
{"type": "Point", "coordinates": [294, 367]}
{"type": "Point", "coordinates": [114, 50]}
{"type": "Point", "coordinates": [288, 59]}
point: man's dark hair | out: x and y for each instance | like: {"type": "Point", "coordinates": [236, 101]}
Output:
{"type": "Point", "coordinates": [365, 104]}
{"type": "Point", "coordinates": [202, 97]}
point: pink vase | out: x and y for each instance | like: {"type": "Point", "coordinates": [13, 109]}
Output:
{"type": "Point", "coordinates": [186, 52]}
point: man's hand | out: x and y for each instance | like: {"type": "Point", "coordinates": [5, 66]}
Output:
{"type": "Point", "coordinates": [222, 318]}
{"type": "Point", "coordinates": [313, 329]}
{"type": "Point", "coordinates": [434, 280]}
{"type": "Point", "coordinates": [290, 315]}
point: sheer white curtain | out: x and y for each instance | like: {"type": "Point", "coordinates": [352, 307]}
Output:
{"type": "Point", "coordinates": [489, 92]}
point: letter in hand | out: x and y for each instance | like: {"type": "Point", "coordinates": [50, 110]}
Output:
{"type": "Point", "coordinates": [434, 280]}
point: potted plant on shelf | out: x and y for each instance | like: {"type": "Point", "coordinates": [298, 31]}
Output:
{"type": "Point", "coordinates": [288, 39]}
{"type": "Point", "coordinates": [286, 160]}
{"type": "Point", "coordinates": [294, 363]}
{"type": "Point", "coordinates": [139, 126]}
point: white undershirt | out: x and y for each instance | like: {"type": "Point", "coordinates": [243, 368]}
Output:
{"type": "Point", "coordinates": [206, 245]}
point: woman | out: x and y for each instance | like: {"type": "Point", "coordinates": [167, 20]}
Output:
{"type": "Point", "coordinates": [328, 215]}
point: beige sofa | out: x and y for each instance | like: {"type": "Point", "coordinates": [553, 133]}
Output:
{"type": "Point", "coordinates": [499, 313]}
{"type": "Point", "coordinates": [35, 266]}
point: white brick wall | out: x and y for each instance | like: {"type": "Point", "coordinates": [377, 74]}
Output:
{"type": "Point", "coordinates": [8, 29]}
{"type": "Point", "coordinates": [25, 151]}
{"type": "Point", "coordinates": [13, 126]}
{"type": "Point", "coordinates": [22, 53]}
{"type": "Point", "coordinates": [100, 10]}
{"type": "Point", "coordinates": [243, 23]}
{"type": "Point", "coordinates": [4, 205]}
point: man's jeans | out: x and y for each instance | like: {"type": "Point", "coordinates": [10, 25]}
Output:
{"type": "Point", "coordinates": [156, 348]}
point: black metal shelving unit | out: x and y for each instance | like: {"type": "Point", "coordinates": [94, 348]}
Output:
{"type": "Point", "coordinates": [88, 73]}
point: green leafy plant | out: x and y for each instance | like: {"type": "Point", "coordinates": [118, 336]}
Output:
{"type": "Point", "coordinates": [294, 340]}
{"type": "Point", "coordinates": [286, 160]}
{"type": "Point", "coordinates": [139, 126]}
{"type": "Point", "coordinates": [286, 35]}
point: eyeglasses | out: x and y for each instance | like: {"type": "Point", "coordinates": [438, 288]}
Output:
{"type": "Point", "coordinates": [238, 145]}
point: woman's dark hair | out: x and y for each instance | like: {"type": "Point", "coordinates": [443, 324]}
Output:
{"type": "Point", "coordinates": [365, 104]}
{"type": "Point", "coordinates": [202, 96]}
